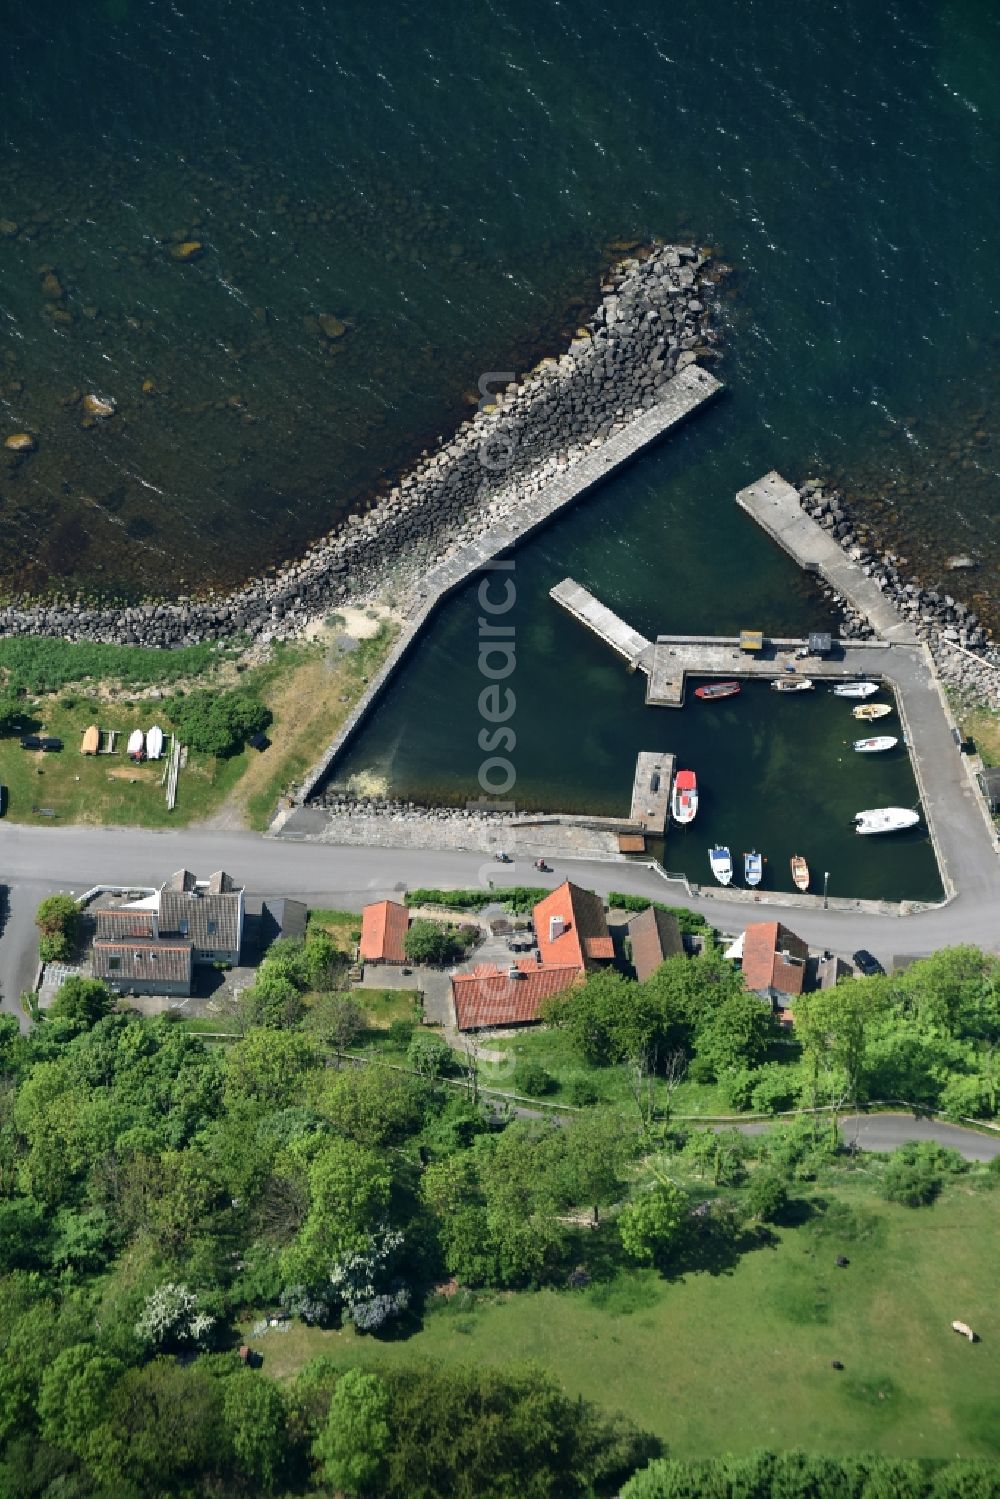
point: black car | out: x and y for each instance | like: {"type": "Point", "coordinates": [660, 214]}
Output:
{"type": "Point", "coordinates": [866, 963]}
{"type": "Point", "coordinates": [49, 744]}
{"type": "Point", "coordinates": [31, 741]}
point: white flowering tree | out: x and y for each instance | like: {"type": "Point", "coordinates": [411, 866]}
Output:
{"type": "Point", "coordinates": [171, 1315]}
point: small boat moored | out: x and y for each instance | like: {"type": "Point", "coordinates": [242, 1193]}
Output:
{"type": "Point", "coordinates": [717, 689]}
{"type": "Point", "coordinates": [753, 868]}
{"type": "Point", "coordinates": [722, 864]}
{"type": "Point", "coordinates": [855, 689]}
{"type": "Point", "coordinates": [875, 746]}
{"type": "Point", "coordinates": [793, 684]}
{"type": "Point", "coordinates": [800, 873]}
{"type": "Point", "coordinates": [684, 797]}
{"type": "Point", "coordinates": [154, 742]}
{"type": "Point", "coordinates": [885, 820]}
{"type": "Point", "coordinates": [136, 749]}
{"type": "Point", "coordinates": [870, 711]}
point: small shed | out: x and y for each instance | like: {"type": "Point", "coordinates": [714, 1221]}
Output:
{"type": "Point", "coordinates": [820, 643]}
{"type": "Point", "coordinates": [751, 640]}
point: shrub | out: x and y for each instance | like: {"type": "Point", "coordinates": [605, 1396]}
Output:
{"type": "Point", "coordinates": [531, 1077]}
{"type": "Point", "coordinates": [916, 1173]}
{"type": "Point", "coordinates": [766, 1196]}
{"type": "Point", "coordinates": [581, 1092]}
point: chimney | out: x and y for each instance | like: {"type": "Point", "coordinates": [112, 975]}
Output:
{"type": "Point", "coordinates": [557, 925]}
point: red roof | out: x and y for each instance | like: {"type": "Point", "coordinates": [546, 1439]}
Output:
{"type": "Point", "coordinates": [767, 947]}
{"type": "Point", "coordinates": [383, 932]}
{"type": "Point", "coordinates": [489, 996]}
{"type": "Point", "coordinates": [585, 938]}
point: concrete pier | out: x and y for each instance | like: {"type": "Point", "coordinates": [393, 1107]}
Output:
{"type": "Point", "coordinates": [674, 658]}
{"type": "Point", "coordinates": [582, 469]}
{"type": "Point", "coordinates": [576, 600]}
{"type": "Point", "coordinates": [774, 505]}
{"type": "Point", "coordinates": [654, 775]}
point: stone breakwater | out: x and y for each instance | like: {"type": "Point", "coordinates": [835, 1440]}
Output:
{"type": "Point", "coordinates": [965, 657]}
{"type": "Point", "coordinates": [654, 319]}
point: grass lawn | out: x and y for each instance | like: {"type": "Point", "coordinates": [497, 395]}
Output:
{"type": "Point", "coordinates": [743, 1360]}
{"type": "Point", "coordinates": [984, 728]}
{"type": "Point", "coordinates": [103, 788]}
{"type": "Point", "coordinates": [343, 927]}
{"type": "Point", "coordinates": [309, 690]}
{"type": "Point", "coordinates": [383, 1006]}
{"type": "Point", "coordinates": [552, 1050]}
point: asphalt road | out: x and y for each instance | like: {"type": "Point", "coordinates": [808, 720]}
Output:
{"type": "Point", "coordinates": [36, 861]}
{"type": "Point", "coordinates": [889, 1131]}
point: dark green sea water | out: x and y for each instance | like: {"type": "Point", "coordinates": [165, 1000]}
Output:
{"type": "Point", "coordinates": [447, 179]}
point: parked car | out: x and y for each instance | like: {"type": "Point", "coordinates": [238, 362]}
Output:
{"type": "Point", "coordinates": [49, 744]}
{"type": "Point", "coordinates": [31, 741]}
{"type": "Point", "coordinates": [866, 963]}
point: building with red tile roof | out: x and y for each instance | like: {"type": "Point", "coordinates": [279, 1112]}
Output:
{"type": "Point", "coordinates": [655, 936]}
{"type": "Point", "coordinates": [383, 932]}
{"type": "Point", "coordinates": [571, 929]}
{"type": "Point", "coordinates": [774, 959]}
{"type": "Point", "coordinates": [490, 996]}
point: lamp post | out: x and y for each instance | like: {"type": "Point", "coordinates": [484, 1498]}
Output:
{"type": "Point", "coordinates": [826, 877]}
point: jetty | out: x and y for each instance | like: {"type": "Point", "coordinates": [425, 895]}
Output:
{"type": "Point", "coordinates": [654, 775]}
{"type": "Point", "coordinates": [585, 468]}
{"type": "Point", "coordinates": [604, 623]}
{"type": "Point", "coordinates": [774, 504]}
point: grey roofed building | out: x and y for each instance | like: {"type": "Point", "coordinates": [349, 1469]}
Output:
{"type": "Point", "coordinates": [655, 935]}
{"type": "Point", "coordinates": [143, 965]}
{"type": "Point", "coordinates": [208, 913]}
{"type": "Point", "coordinates": [282, 918]}
{"type": "Point", "coordinates": [989, 779]}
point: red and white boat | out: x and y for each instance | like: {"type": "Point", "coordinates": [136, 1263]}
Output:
{"type": "Point", "coordinates": [717, 689]}
{"type": "Point", "coordinates": [684, 798]}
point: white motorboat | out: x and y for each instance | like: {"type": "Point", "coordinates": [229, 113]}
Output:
{"type": "Point", "coordinates": [136, 745]}
{"type": "Point", "coordinates": [885, 820]}
{"type": "Point", "coordinates": [855, 689]}
{"type": "Point", "coordinates": [753, 868]}
{"type": "Point", "coordinates": [875, 746]}
{"type": "Point", "coordinates": [793, 684]}
{"type": "Point", "coordinates": [154, 742]}
{"type": "Point", "coordinates": [722, 864]}
{"type": "Point", "coordinates": [684, 798]}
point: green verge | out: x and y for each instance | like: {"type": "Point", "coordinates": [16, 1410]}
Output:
{"type": "Point", "coordinates": [42, 665]}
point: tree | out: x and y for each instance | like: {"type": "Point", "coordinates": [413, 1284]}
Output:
{"type": "Point", "coordinates": [272, 1002]}
{"type": "Point", "coordinates": [171, 1318]}
{"type": "Point", "coordinates": [433, 943]}
{"type": "Point", "coordinates": [349, 1188]}
{"type": "Point", "coordinates": [268, 1069]}
{"type": "Point", "coordinates": [738, 1033]}
{"type": "Point", "coordinates": [165, 1420]}
{"type": "Point", "coordinates": [373, 1104]}
{"type": "Point", "coordinates": [83, 1001]}
{"type": "Point", "coordinates": [217, 723]}
{"type": "Point", "coordinates": [834, 1027]}
{"type": "Point", "coordinates": [531, 1077]}
{"type": "Point", "coordinates": [73, 1398]}
{"type": "Point", "coordinates": [337, 1019]}
{"type": "Point", "coordinates": [653, 1223]}
{"type": "Point", "coordinates": [255, 1414]}
{"type": "Point", "coordinates": [430, 1055]}
{"type": "Point", "coordinates": [594, 1148]}
{"type": "Point", "coordinates": [58, 919]}
{"type": "Point", "coordinates": [353, 1445]}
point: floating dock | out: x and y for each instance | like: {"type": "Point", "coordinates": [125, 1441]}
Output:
{"type": "Point", "coordinates": [654, 775]}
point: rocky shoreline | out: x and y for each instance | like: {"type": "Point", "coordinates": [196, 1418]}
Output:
{"type": "Point", "coordinates": [965, 657]}
{"type": "Point", "coordinates": [653, 319]}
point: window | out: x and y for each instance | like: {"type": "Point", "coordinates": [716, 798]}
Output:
{"type": "Point", "coordinates": [213, 927]}
{"type": "Point", "coordinates": [114, 965]}
{"type": "Point", "coordinates": [182, 926]}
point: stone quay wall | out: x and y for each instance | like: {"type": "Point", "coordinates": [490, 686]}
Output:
{"type": "Point", "coordinates": [654, 319]}
{"type": "Point", "coordinates": [964, 657]}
